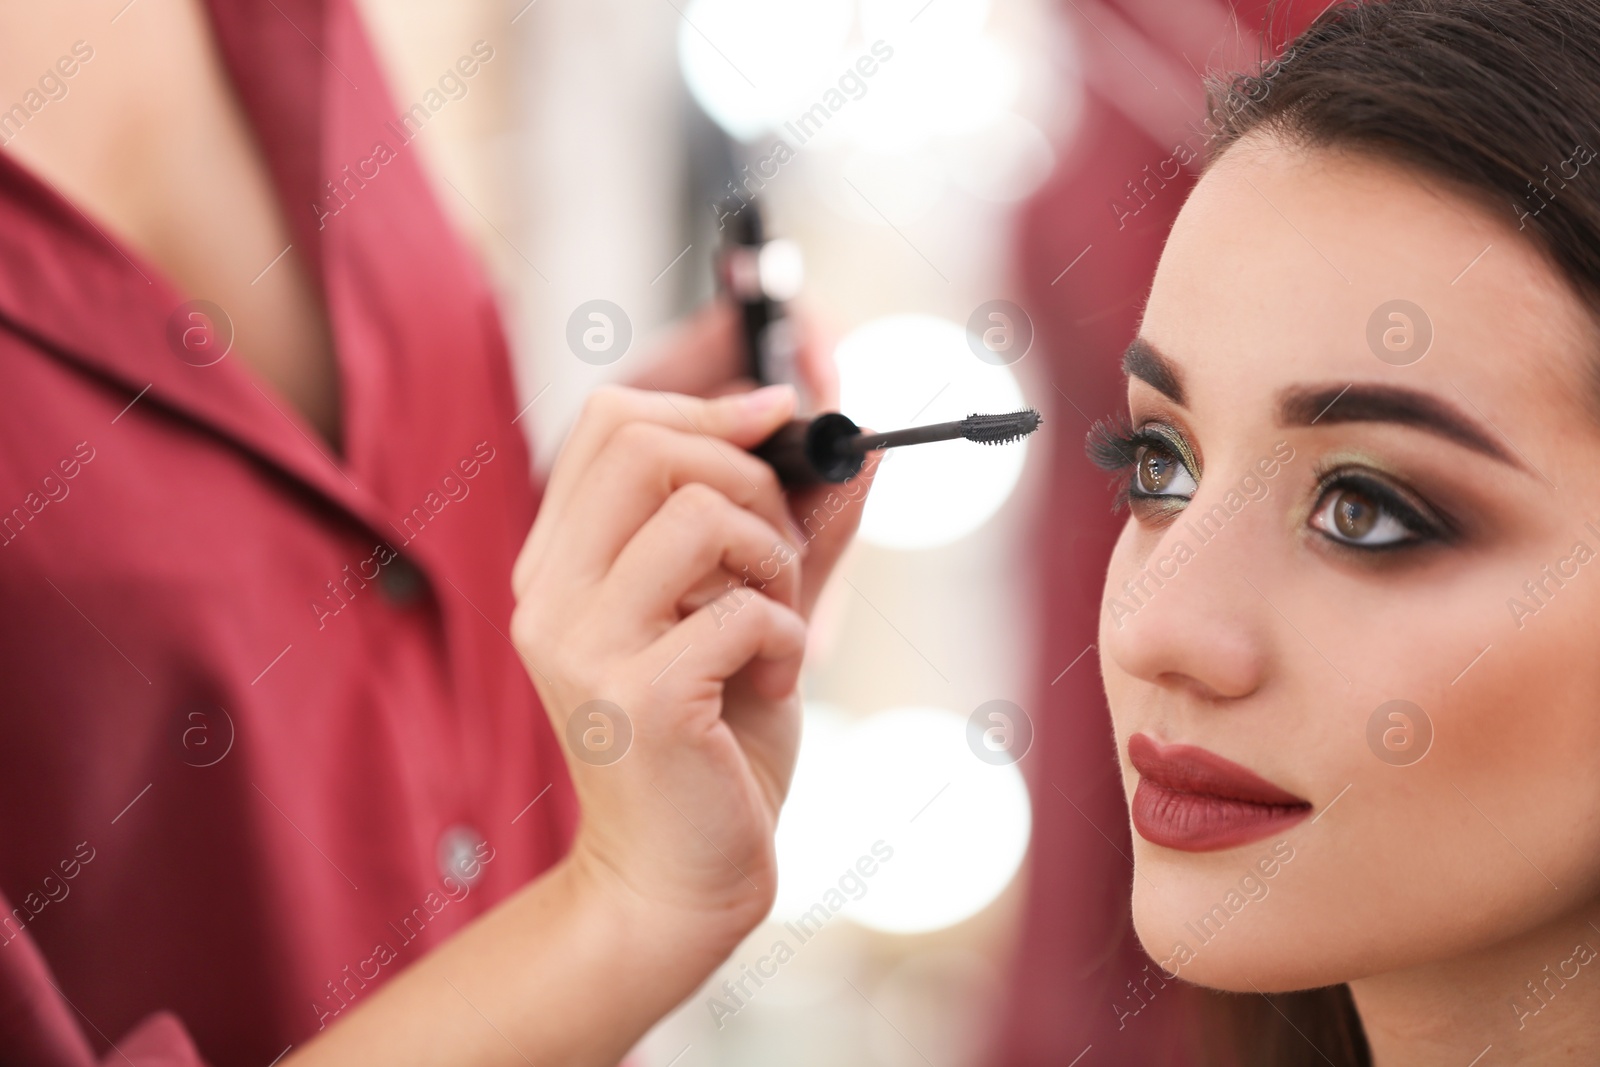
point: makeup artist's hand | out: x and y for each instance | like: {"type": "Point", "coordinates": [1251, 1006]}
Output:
{"type": "Point", "coordinates": [653, 511]}
{"type": "Point", "coordinates": [704, 356]}
{"type": "Point", "coordinates": [641, 585]}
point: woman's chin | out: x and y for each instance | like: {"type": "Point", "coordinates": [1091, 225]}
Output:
{"type": "Point", "coordinates": [1199, 939]}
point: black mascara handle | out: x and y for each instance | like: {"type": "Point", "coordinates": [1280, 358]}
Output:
{"type": "Point", "coordinates": [805, 451]}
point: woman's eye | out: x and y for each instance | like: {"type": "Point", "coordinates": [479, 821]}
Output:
{"type": "Point", "coordinates": [1158, 471]}
{"type": "Point", "coordinates": [1353, 517]}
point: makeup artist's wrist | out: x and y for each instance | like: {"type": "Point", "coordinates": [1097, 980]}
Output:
{"type": "Point", "coordinates": [625, 960]}
{"type": "Point", "coordinates": [571, 970]}
{"type": "Point", "coordinates": [700, 932]}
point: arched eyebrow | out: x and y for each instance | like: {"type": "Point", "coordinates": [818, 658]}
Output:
{"type": "Point", "coordinates": [1305, 405]}
{"type": "Point", "coordinates": [1144, 361]}
{"type": "Point", "coordinates": [1308, 405]}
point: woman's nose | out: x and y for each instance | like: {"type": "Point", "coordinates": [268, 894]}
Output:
{"type": "Point", "coordinates": [1193, 613]}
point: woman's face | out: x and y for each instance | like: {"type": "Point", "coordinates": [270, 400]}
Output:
{"type": "Point", "coordinates": [1324, 523]}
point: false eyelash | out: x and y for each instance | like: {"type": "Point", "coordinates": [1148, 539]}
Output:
{"type": "Point", "coordinates": [1113, 446]}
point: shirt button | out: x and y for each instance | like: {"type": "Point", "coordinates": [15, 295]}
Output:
{"type": "Point", "coordinates": [400, 581]}
{"type": "Point", "coordinates": [459, 854]}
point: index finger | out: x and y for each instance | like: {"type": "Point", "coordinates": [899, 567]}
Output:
{"type": "Point", "coordinates": [742, 419]}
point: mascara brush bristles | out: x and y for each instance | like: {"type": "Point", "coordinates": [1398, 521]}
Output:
{"type": "Point", "coordinates": [1000, 429]}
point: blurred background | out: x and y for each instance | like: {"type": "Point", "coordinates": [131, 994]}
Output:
{"type": "Point", "coordinates": [979, 196]}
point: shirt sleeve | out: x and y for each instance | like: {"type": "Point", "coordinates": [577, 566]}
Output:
{"type": "Point", "coordinates": [40, 1027]}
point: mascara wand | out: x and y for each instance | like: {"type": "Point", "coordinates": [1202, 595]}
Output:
{"type": "Point", "coordinates": [831, 448]}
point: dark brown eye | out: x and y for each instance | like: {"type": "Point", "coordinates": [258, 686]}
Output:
{"type": "Point", "coordinates": [1352, 515]}
{"type": "Point", "coordinates": [1157, 471]}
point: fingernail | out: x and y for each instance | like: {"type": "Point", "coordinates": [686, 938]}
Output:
{"type": "Point", "coordinates": [767, 398]}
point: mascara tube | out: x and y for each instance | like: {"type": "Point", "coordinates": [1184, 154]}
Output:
{"type": "Point", "coordinates": [761, 275]}
{"type": "Point", "coordinates": [810, 451]}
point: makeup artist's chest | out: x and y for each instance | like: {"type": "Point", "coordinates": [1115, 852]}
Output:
{"type": "Point", "coordinates": [151, 143]}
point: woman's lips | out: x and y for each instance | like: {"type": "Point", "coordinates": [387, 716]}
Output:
{"type": "Point", "coordinates": [1194, 800]}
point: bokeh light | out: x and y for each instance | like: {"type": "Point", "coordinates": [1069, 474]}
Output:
{"type": "Point", "coordinates": [958, 827]}
{"type": "Point", "coordinates": [912, 369]}
{"type": "Point", "coordinates": [1003, 162]}
{"type": "Point", "coordinates": [754, 64]}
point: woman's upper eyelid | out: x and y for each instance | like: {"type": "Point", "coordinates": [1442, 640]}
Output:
{"type": "Point", "coordinates": [1157, 422]}
{"type": "Point", "coordinates": [1415, 510]}
{"type": "Point", "coordinates": [1393, 494]}
{"type": "Point", "coordinates": [1174, 437]}
{"type": "Point", "coordinates": [1420, 519]}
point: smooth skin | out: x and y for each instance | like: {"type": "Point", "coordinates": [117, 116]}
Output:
{"type": "Point", "coordinates": [1438, 890]}
{"type": "Point", "coordinates": [632, 587]}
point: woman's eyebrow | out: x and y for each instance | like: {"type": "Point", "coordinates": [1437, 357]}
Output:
{"type": "Point", "coordinates": [1362, 402]}
{"type": "Point", "coordinates": [1143, 361]}
{"type": "Point", "coordinates": [1370, 402]}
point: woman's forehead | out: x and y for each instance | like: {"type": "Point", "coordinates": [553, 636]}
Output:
{"type": "Point", "coordinates": [1290, 264]}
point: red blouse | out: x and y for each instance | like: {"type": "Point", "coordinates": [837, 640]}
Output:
{"type": "Point", "coordinates": [265, 739]}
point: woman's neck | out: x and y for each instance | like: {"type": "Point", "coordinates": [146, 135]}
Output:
{"type": "Point", "coordinates": [1531, 1000]}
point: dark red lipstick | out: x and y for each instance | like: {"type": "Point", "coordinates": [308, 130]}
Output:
{"type": "Point", "coordinates": [1194, 800]}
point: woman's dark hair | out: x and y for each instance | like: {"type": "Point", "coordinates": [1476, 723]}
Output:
{"type": "Point", "coordinates": [1499, 98]}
